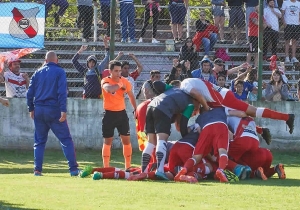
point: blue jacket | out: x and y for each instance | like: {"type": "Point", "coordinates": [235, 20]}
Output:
{"type": "Point", "coordinates": [92, 87]}
{"type": "Point", "coordinates": [48, 87]}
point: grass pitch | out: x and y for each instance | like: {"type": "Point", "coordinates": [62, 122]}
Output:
{"type": "Point", "coordinates": [19, 189]}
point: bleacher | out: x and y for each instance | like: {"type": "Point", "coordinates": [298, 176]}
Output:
{"type": "Point", "coordinates": [152, 56]}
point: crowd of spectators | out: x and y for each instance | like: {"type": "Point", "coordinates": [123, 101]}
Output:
{"type": "Point", "coordinates": [189, 64]}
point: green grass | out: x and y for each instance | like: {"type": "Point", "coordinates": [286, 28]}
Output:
{"type": "Point", "coordinates": [19, 189]}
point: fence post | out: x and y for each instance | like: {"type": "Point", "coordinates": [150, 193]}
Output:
{"type": "Point", "coordinates": [188, 22]}
{"type": "Point", "coordinates": [95, 23]}
{"type": "Point", "coordinates": [260, 48]}
{"type": "Point", "coordinates": [112, 29]}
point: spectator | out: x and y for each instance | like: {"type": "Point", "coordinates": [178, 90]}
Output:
{"type": "Point", "coordinates": [4, 101]}
{"type": "Point", "coordinates": [205, 71]}
{"type": "Point", "coordinates": [188, 52]}
{"type": "Point", "coordinates": [105, 15]}
{"type": "Point", "coordinates": [219, 16]}
{"type": "Point", "coordinates": [177, 10]}
{"type": "Point", "coordinates": [127, 17]}
{"type": "Point", "coordinates": [239, 90]}
{"type": "Point", "coordinates": [91, 71]}
{"type": "Point", "coordinates": [150, 7]}
{"type": "Point", "coordinates": [176, 74]}
{"type": "Point", "coordinates": [246, 85]}
{"type": "Point", "coordinates": [277, 89]}
{"type": "Point", "coordinates": [253, 37]}
{"type": "Point", "coordinates": [219, 68]}
{"type": "Point", "coordinates": [114, 88]}
{"type": "Point", "coordinates": [221, 81]}
{"type": "Point", "coordinates": [290, 12]}
{"type": "Point", "coordinates": [206, 34]}
{"type": "Point", "coordinates": [132, 76]}
{"type": "Point", "coordinates": [236, 20]}
{"type": "Point", "coordinates": [252, 79]}
{"type": "Point", "coordinates": [47, 104]}
{"type": "Point", "coordinates": [250, 7]}
{"type": "Point", "coordinates": [85, 17]}
{"type": "Point", "coordinates": [16, 83]}
{"type": "Point", "coordinates": [147, 90]}
{"type": "Point", "coordinates": [63, 6]}
{"type": "Point", "coordinates": [266, 4]}
{"type": "Point", "coordinates": [187, 72]}
{"type": "Point", "coordinates": [271, 32]}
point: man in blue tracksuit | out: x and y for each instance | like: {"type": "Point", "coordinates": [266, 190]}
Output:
{"type": "Point", "coordinates": [47, 104]}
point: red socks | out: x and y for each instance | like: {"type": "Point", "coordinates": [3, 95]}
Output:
{"type": "Point", "coordinates": [268, 113]}
{"type": "Point", "coordinates": [223, 161]}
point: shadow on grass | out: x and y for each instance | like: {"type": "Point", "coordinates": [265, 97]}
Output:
{"type": "Point", "coordinates": [11, 206]}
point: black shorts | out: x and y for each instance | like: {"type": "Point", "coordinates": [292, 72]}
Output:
{"type": "Point", "coordinates": [157, 121]}
{"type": "Point", "coordinates": [291, 32]}
{"type": "Point", "coordinates": [253, 44]}
{"type": "Point", "coordinates": [115, 119]}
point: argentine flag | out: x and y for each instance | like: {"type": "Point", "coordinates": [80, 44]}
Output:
{"type": "Point", "coordinates": [22, 25]}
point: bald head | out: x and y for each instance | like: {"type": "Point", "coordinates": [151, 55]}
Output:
{"type": "Point", "coordinates": [51, 57]}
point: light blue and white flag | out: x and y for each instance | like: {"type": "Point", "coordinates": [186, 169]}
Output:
{"type": "Point", "coordinates": [22, 25]}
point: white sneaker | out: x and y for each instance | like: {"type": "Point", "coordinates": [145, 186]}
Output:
{"type": "Point", "coordinates": [294, 60]}
{"type": "Point", "coordinates": [154, 41]}
{"type": "Point", "coordinates": [287, 60]}
{"type": "Point", "coordinates": [140, 40]}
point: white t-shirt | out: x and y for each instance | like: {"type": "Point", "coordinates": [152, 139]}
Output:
{"type": "Point", "coordinates": [291, 15]}
{"type": "Point", "coordinates": [271, 18]}
{"type": "Point", "coordinates": [131, 80]}
{"type": "Point", "coordinates": [15, 85]}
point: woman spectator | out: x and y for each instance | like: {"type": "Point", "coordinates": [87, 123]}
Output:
{"type": "Point", "coordinates": [186, 71]}
{"type": "Point", "coordinates": [277, 89]}
{"type": "Point", "coordinates": [176, 74]}
{"type": "Point", "coordinates": [206, 34]}
{"type": "Point", "coordinates": [219, 16]}
{"type": "Point", "coordinates": [188, 52]}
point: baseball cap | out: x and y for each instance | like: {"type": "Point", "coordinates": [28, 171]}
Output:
{"type": "Point", "coordinates": [10, 61]}
{"type": "Point", "coordinates": [219, 61]}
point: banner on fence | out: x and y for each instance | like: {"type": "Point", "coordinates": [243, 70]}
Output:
{"type": "Point", "coordinates": [5, 57]}
{"type": "Point", "coordinates": [22, 25]}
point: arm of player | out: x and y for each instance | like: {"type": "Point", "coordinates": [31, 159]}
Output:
{"type": "Point", "coordinates": [196, 95]}
{"type": "Point", "coordinates": [237, 113]}
{"type": "Point", "coordinates": [113, 88]}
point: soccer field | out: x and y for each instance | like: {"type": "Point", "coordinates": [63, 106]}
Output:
{"type": "Point", "coordinates": [19, 189]}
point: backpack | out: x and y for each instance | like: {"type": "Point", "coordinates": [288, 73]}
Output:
{"type": "Point", "coordinates": [221, 53]}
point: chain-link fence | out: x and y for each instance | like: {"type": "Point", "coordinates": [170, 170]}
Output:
{"type": "Point", "coordinates": [216, 31]}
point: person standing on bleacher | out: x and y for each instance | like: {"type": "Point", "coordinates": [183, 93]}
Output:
{"type": "Point", "coordinates": [127, 17]}
{"type": "Point", "coordinates": [85, 17]}
{"type": "Point", "coordinates": [92, 72]}
{"type": "Point", "coordinates": [290, 12]}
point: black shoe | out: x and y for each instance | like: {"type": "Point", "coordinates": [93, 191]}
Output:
{"type": "Point", "coordinates": [56, 18]}
{"type": "Point", "coordinates": [266, 135]}
{"type": "Point", "coordinates": [290, 123]}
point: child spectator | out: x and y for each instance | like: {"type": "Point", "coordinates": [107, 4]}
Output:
{"type": "Point", "coordinates": [221, 81]}
{"type": "Point", "coordinates": [277, 89]}
{"type": "Point", "coordinates": [176, 74]}
{"type": "Point", "coordinates": [188, 52]}
{"type": "Point", "coordinates": [206, 34]}
{"type": "Point", "coordinates": [91, 71]}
